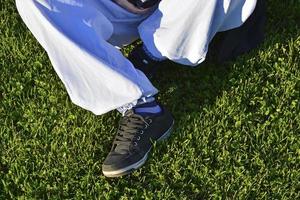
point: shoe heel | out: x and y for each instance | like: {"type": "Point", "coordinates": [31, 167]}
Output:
{"type": "Point", "coordinates": [167, 134]}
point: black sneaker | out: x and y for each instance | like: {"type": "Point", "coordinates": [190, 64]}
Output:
{"type": "Point", "coordinates": [141, 60]}
{"type": "Point", "coordinates": [134, 141]}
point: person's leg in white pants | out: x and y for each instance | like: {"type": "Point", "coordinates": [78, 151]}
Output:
{"type": "Point", "coordinates": [76, 36]}
{"type": "Point", "coordinates": [80, 38]}
{"type": "Point", "coordinates": [182, 30]}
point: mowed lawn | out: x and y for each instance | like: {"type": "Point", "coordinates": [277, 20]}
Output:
{"type": "Point", "coordinates": [236, 136]}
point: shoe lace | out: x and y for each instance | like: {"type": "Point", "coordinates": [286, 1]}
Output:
{"type": "Point", "coordinates": [129, 126]}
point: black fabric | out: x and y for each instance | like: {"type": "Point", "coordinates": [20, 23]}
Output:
{"type": "Point", "coordinates": [230, 44]}
{"type": "Point", "coordinates": [144, 3]}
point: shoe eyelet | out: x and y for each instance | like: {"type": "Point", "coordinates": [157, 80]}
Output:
{"type": "Point", "coordinates": [150, 121]}
{"type": "Point", "coordinates": [138, 138]}
{"type": "Point", "coordinates": [135, 144]}
{"type": "Point", "coordinates": [142, 132]}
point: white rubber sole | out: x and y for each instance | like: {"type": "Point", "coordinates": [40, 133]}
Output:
{"type": "Point", "coordinates": [138, 164]}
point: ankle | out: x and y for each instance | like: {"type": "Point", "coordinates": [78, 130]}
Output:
{"type": "Point", "coordinates": [149, 108]}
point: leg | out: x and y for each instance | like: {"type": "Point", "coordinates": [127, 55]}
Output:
{"type": "Point", "coordinates": [182, 30]}
{"type": "Point", "coordinates": [96, 75]}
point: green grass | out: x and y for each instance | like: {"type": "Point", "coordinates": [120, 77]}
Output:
{"type": "Point", "coordinates": [236, 136]}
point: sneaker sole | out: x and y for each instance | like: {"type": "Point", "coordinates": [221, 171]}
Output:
{"type": "Point", "coordinates": [138, 164]}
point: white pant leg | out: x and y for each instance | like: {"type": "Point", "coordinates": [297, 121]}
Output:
{"type": "Point", "coordinates": [181, 30]}
{"type": "Point", "coordinates": [74, 33]}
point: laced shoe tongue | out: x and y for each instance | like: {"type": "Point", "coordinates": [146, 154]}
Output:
{"type": "Point", "coordinates": [129, 126]}
{"type": "Point", "coordinates": [124, 147]}
{"type": "Point", "coordinates": [129, 113]}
